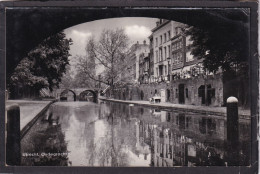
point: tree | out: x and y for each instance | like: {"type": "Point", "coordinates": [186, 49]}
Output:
{"type": "Point", "coordinates": [43, 66]}
{"type": "Point", "coordinates": [222, 47]}
{"type": "Point", "coordinates": [109, 52]}
{"type": "Point", "coordinates": [86, 71]}
{"type": "Point", "coordinates": [67, 81]}
{"type": "Point", "coordinates": [225, 47]}
{"type": "Point", "coordinates": [25, 80]}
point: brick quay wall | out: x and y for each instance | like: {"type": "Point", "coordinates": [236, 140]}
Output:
{"type": "Point", "coordinates": [198, 90]}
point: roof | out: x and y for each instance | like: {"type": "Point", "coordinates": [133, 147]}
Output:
{"type": "Point", "coordinates": [161, 25]}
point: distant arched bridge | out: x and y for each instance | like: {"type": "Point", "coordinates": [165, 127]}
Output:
{"type": "Point", "coordinates": [79, 94]}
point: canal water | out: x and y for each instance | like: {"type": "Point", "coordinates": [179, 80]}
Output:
{"type": "Point", "coordinates": [114, 134]}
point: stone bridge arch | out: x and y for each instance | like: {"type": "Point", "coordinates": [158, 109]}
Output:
{"type": "Point", "coordinates": [66, 91]}
{"type": "Point", "coordinates": [33, 25]}
{"type": "Point", "coordinates": [83, 94]}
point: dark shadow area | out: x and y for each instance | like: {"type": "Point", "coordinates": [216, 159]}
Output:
{"type": "Point", "coordinates": [88, 95]}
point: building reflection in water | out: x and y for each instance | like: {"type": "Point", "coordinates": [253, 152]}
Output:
{"type": "Point", "coordinates": [46, 145]}
{"type": "Point", "coordinates": [114, 134]}
{"type": "Point", "coordinates": [169, 138]}
{"type": "Point", "coordinates": [188, 140]}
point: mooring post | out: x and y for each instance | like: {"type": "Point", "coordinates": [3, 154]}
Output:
{"type": "Point", "coordinates": [232, 121]}
{"type": "Point", "coordinates": [233, 130]}
{"type": "Point", "coordinates": [13, 146]}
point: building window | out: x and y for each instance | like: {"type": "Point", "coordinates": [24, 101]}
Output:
{"type": "Point", "coordinates": [187, 92]}
{"type": "Point", "coordinates": [213, 92]}
{"type": "Point", "coordinates": [160, 54]}
{"type": "Point", "coordinates": [165, 68]}
{"type": "Point", "coordinates": [177, 30]}
{"type": "Point", "coordinates": [169, 35]}
{"type": "Point", "coordinates": [169, 51]}
{"type": "Point", "coordinates": [156, 42]}
{"type": "Point", "coordinates": [177, 58]}
{"type": "Point", "coordinates": [169, 69]}
{"type": "Point", "coordinates": [165, 39]}
{"type": "Point", "coordinates": [156, 59]}
{"type": "Point", "coordinates": [165, 53]}
{"type": "Point", "coordinates": [160, 39]}
{"type": "Point", "coordinates": [177, 45]}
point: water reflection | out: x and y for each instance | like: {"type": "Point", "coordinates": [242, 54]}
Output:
{"type": "Point", "coordinates": [113, 134]}
{"type": "Point", "coordinates": [46, 144]}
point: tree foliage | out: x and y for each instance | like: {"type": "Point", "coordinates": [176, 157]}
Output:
{"type": "Point", "coordinates": [44, 65]}
{"type": "Point", "coordinates": [222, 46]}
{"type": "Point", "coordinates": [85, 68]}
{"type": "Point", "coordinates": [225, 47]}
{"type": "Point", "coordinates": [67, 79]}
{"type": "Point", "coordinates": [108, 53]}
{"type": "Point", "coordinates": [23, 76]}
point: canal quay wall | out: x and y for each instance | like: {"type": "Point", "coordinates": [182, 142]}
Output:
{"type": "Point", "coordinates": [21, 115]}
{"type": "Point", "coordinates": [191, 91]}
{"type": "Point", "coordinates": [200, 90]}
{"type": "Point", "coordinates": [30, 111]}
{"type": "Point", "coordinates": [206, 110]}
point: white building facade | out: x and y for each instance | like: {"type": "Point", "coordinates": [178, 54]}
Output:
{"type": "Point", "coordinates": [164, 31]}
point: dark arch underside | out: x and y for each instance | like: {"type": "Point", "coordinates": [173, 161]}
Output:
{"type": "Point", "coordinates": [84, 93]}
{"type": "Point", "coordinates": [27, 27]}
{"type": "Point", "coordinates": [69, 90]}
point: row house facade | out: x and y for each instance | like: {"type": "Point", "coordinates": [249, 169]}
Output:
{"type": "Point", "coordinates": [144, 67]}
{"type": "Point", "coordinates": [172, 52]}
{"type": "Point", "coordinates": [173, 73]}
{"type": "Point", "coordinates": [146, 64]}
{"type": "Point", "coordinates": [131, 75]}
{"type": "Point", "coordinates": [166, 68]}
{"type": "Point", "coordinates": [162, 34]}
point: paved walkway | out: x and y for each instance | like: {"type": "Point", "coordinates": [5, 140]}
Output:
{"type": "Point", "coordinates": [28, 109]}
{"type": "Point", "coordinates": [244, 114]}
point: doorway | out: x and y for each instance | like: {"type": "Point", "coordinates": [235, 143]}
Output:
{"type": "Point", "coordinates": [201, 92]}
{"type": "Point", "coordinates": [168, 95]}
{"type": "Point", "coordinates": [209, 91]}
{"type": "Point", "coordinates": [163, 98]}
{"type": "Point", "coordinates": [181, 94]}
{"type": "Point", "coordinates": [142, 95]}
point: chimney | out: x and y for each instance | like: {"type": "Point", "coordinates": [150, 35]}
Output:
{"type": "Point", "coordinates": [157, 23]}
{"type": "Point", "coordinates": [144, 42]}
{"type": "Point", "coordinates": [137, 42]}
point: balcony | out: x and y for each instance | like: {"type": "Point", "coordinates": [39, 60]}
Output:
{"type": "Point", "coordinates": [163, 78]}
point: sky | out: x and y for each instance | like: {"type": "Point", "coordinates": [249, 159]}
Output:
{"type": "Point", "coordinates": [136, 28]}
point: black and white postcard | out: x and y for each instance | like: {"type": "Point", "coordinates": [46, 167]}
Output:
{"type": "Point", "coordinates": [130, 87]}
